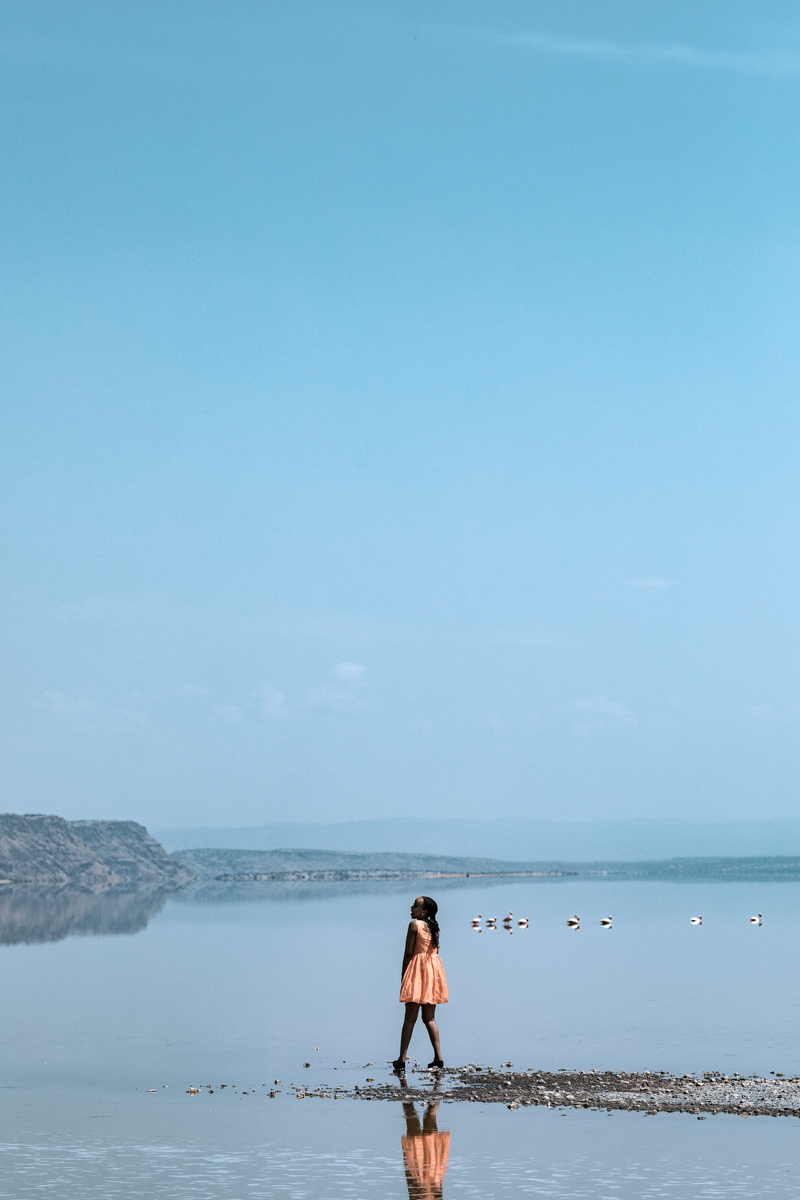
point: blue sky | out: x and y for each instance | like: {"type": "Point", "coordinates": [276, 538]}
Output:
{"type": "Point", "coordinates": [400, 409]}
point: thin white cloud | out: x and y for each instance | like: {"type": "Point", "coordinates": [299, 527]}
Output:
{"type": "Point", "coordinates": [598, 712]}
{"type": "Point", "coordinates": [138, 718]}
{"type": "Point", "coordinates": [341, 629]}
{"type": "Point", "coordinates": [651, 581]}
{"type": "Point", "coordinates": [125, 612]}
{"type": "Point", "coordinates": [772, 715]}
{"type": "Point", "coordinates": [534, 637]}
{"type": "Point", "coordinates": [494, 721]}
{"type": "Point", "coordinates": [59, 702]}
{"type": "Point", "coordinates": [778, 62]}
{"type": "Point", "coordinates": [349, 672]}
{"type": "Point", "coordinates": [272, 702]}
{"type": "Point", "coordinates": [227, 714]}
{"type": "Point", "coordinates": [189, 691]}
{"type": "Point", "coordinates": [323, 695]}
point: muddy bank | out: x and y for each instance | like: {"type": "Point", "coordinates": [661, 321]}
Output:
{"type": "Point", "coordinates": [632, 1091]}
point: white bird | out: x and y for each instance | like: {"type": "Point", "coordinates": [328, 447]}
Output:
{"type": "Point", "coordinates": [523, 923]}
{"type": "Point", "coordinates": [697, 920]}
{"type": "Point", "coordinates": [606, 922]}
{"type": "Point", "coordinates": [756, 920]}
{"type": "Point", "coordinates": [574, 922]}
{"type": "Point", "coordinates": [477, 920]}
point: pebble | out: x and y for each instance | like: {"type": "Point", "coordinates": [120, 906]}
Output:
{"type": "Point", "coordinates": [643, 1091]}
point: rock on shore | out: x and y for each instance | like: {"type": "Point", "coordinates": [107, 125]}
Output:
{"type": "Point", "coordinates": [633, 1091]}
{"type": "Point", "coordinates": [96, 855]}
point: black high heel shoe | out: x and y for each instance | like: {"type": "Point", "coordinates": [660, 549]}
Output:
{"type": "Point", "coordinates": [438, 1063]}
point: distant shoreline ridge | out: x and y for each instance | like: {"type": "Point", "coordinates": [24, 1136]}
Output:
{"type": "Point", "coordinates": [640, 839]}
{"type": "Point", "coordinates": [339, 876]}
{"type": "Point", "coordinates": [210, 865]}
{"type": "Point", "coordinates": [97, 856]}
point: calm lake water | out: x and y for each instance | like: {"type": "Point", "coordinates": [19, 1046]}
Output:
{"type": "Point", "coordinates": [242, 987]}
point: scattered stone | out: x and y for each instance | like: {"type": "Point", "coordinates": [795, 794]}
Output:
{"type": "Point", "coordinates": [643, 1091]}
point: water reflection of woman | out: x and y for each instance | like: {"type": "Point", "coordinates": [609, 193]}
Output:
{"type": "Point", "coordinates": [425, 1152]}
{"type": "Point", "coordinates": [424, 984]}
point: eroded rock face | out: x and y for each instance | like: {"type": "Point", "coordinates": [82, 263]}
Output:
{"type": "Point", "coordinates": [94, 855]}
{"type": "Point", "coordinates": [131, 853]}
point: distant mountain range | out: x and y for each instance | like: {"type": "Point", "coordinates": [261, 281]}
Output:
{"type": "Point", "coordinates": [334, 866]}
{"type": "Point", "coordinates": [632, 840]}
{"type": "Point", "coordinates": [268, 865]}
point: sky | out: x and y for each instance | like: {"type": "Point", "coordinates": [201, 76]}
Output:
{"type": "Point", "coordinates": [400, 409]}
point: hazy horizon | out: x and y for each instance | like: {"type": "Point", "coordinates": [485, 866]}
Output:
{"type": "Point", "coordinates": [635, 839]}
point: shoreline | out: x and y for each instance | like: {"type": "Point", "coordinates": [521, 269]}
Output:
{"type": "Point", "coordinates": [323, 876]}
{"type": "Point", "coordinates": [630, 1091]}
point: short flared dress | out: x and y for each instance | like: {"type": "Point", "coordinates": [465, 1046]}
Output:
{"type": "Point", "coordinates": [425, 1159]}
{"type": "Point", "coordinates": [424, 980]}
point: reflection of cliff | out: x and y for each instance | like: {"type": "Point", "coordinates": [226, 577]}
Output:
{"type": "Point", "coordinates": [36, 914]}
{"type": "Point", "coordinates": [95, 855]}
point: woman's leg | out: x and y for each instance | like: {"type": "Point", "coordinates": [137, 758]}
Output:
{"type": "Point", "coordinates": [428, 1014]}
{"type": "Point", "coordinates": [413, 1127]}
{"type": "Point", "coordinates": [429, 1119]}
{"type": "Point", "coordinates": [410, 1020]}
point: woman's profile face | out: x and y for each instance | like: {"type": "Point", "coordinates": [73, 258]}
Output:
{"type": "Point", "coordinates": [418, 909]}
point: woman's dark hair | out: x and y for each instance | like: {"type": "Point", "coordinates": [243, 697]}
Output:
{"type": "Point", "coordinates": [431, 909]}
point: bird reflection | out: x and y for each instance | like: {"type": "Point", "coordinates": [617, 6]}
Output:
{"type": "Point", "coordinates": [425, 1150]}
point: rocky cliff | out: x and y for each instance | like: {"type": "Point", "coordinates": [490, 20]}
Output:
{"type": "Point", "coordinates": [95, 855]}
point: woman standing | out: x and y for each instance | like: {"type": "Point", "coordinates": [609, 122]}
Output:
{"type": "Point", "coordinates": [424, 984]}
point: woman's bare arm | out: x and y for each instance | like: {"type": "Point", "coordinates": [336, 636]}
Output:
{"type": "Point", "coordinates": [411, 941]}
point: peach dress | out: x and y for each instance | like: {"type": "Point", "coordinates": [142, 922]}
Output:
{"type": "Point", "coordinates": [424, 980]}
{"type": "Point", "coordinates": [425, 1158]}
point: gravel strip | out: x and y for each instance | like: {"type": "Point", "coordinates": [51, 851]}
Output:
{"type": "Point", "coordinates": [632, 1091]}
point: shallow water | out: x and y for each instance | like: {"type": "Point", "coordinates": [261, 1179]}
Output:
{"type": "Point", "coordinates": [242, 988]}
